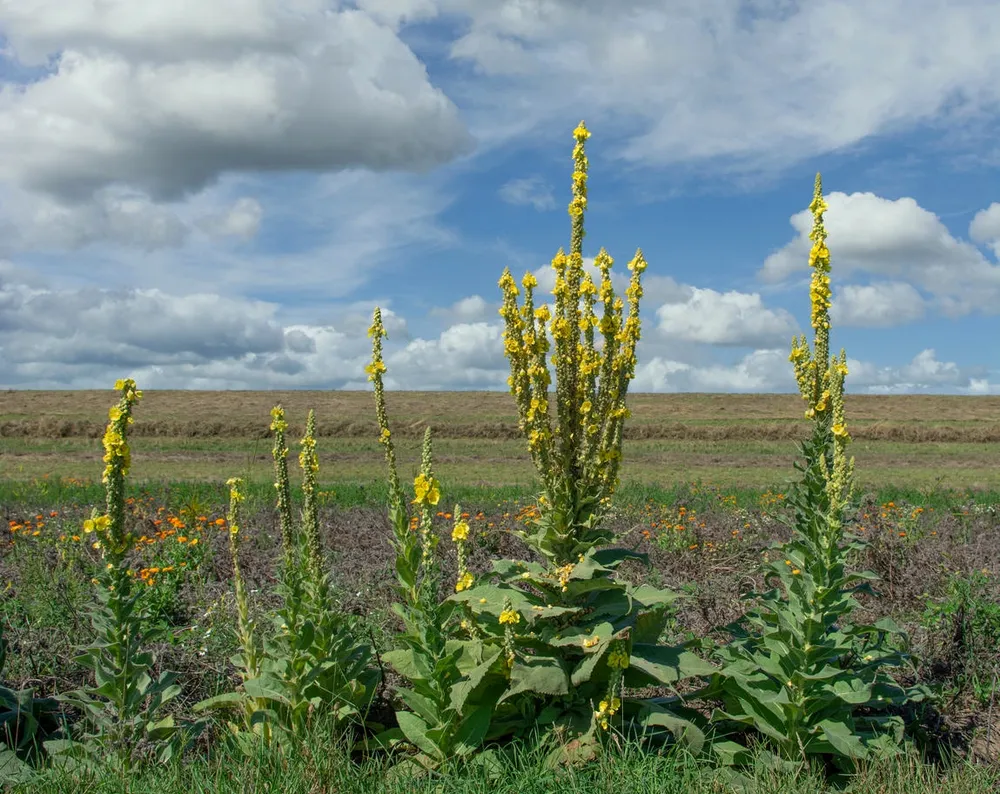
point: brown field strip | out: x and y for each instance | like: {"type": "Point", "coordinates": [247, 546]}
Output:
{"type": "Point", "coordinates": [727, 439]}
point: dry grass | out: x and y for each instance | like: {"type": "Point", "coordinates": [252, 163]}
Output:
{"type": "Point", "coordinates": [724, 439]}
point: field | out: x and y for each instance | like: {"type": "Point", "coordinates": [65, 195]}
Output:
{"type": "Point", "coordinates": [671, 439]}
{"type": "Point", "coordinates": [935, 549]}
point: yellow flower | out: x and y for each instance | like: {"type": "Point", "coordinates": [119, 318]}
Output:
{"type": "Point", "coordinates": [464, 582]}
{"type": "Point", "coordinates": [840, 430]}
{"type": "Point", "coordinates": [426, 490]}
{"type": "Point", "coordinates": [618, 658]}
{"type": "Point", "coordinates": [510, 616]}
{"type": "Point", "coordinates": [460, 532]}
{"type": "Point", "coordinates": [590, 642]}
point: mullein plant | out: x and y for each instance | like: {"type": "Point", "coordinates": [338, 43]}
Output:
{"type": "Point", "coordinates": [125, 705]}
{"type": "Point", "coordinates": [313, 661]}
{"type": "Point", "coordinates": [811, 684]}
{"type": "Point", "coordinates": [552, 645]}
{"type": "Point", "coordinates": [445, 719]}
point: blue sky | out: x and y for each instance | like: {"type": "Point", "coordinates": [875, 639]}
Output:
{"type": "Point", "coordinates": [216, 195]}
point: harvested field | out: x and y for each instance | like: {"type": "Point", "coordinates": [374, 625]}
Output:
{"type": "Point", "coordinates": [725, 439]}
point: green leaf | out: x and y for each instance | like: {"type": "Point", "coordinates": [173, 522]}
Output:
{"type": "Point", "coordinates": [424, 707]}
{"type": "Point", "coordinates": [225, 699]}
{"type": "Point", "coordinates": [461, 691]}
{"type": "Point", "coordinates": [663, 665]}
{"type": "Point", "coordinates": [472, 730]}
{"type": "Point", "coordinates": [839, 735]}
{"type": "Point", "coordinates": [415, 730]}
{"type": "Point", "coordinates": [540, 674]}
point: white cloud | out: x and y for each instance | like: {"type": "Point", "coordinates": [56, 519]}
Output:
{"type": "Point", "coordinates": [718, 79]}
{"type": "Point", "coordinates": [759, 371]}
{"type": "Point", "coordinates": [166, 96]}
{"type": "Point", "coordinates": [899, 240]}
{"type": "Point", "coordinates": [242, 220]}
{"type": "Point", "coordinates": [733, 318]}
{"type": "Point", "coordinates": [923, 374]}
{"type": "Point", "coordinates": [529, 190]}
{"type": "Point", "coordinates": [467, 310]}
{"type": "Point", "coordinates": [985, 227]}
{"type": "Point", "coordinates": [878, 305]}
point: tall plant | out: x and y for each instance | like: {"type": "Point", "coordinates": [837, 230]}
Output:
{"type": "Point", "coordinates": [551, 646]}
{"type": "Point", "coordinates": [798, 671]}
{"type": "Point", "coordinates": [124, 705]}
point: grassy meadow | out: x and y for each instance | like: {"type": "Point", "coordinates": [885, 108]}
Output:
{"type": "Point", "coordinates": [934, 546]}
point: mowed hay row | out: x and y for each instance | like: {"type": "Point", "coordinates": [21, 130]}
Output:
{"type": "Point", "coordinates": [491, 415]}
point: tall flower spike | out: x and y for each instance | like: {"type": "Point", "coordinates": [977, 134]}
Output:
{"type": "Point", "coordinates": [281, 484]}
{"type": "Point", "coordinates": [309, 462]}
{"type": "Point", "coordinates": [375, 370]}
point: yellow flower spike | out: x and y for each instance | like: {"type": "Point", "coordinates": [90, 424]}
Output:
{"type": "Point", "coordinates": [510, 617]}
{"type": "Point", "coordinates": [465, 581]}
{"type": "Point", "coordinates": [460, 532]}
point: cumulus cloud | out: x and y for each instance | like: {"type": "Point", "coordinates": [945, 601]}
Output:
{"type": "Point", "coordinates": [878, 305]}
{"type": "Point", "coordinates": [925, 373]}
{"type": "Point", "coordinates": [532, 191]}
{"type": "Point", "coordinates": [241, 220]}
{"type": "Point", "coordinates": [732, 318]}
{"type": "Point", "coordinates": [166, 96]}
{"type": "Point", "coordinates": [467, 310]}
{"type": "Point", "coordinates": [898, 240]}
{"type": "Point", "coordinates": [985, 228]}
{"type": "Point", "coordinates": [760, 371]}
{"type": "Point", "coordinates": [737, 84]}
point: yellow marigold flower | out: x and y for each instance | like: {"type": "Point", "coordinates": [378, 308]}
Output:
{"type": "Point", "coordinates": [460, 532]}
{"type": "Point", "coordinates": [464, 582]}
{"type": "Point", "coordinates": [510, 616]}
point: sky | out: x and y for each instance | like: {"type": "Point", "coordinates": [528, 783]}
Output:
{"type": "Point", "coordinates": [215, 195]}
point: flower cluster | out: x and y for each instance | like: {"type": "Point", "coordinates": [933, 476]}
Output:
{"type": "Point", "coordinates": [583, 452]}
{"type": "Point", "coordinates": [820, 376]}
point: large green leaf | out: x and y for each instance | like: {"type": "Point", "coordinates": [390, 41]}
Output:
{"type": "Point", "coordinates": [540, 674]}
{"type": "Point", "coordinates": [843, 740]}
{"type": "Point", "coordinates": [663, 665]}
{"type": "Point", "coordinates": [415, 730]}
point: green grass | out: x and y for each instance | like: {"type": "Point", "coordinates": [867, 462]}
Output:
{"type": "Point", "coordinates": [55, 493]}
{"type": "Point", "coordinates": [319, 765]}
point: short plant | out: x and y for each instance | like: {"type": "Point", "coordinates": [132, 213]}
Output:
{"type": "Point", "coordinates": [313, 661]}
{"type": "Point", "coordinates": [125, 705]}
{"type": "Point", "coordinates": [26, 722]}
{"type": "Point", "coordinates": [810, 682]}
{"type": "Point", "coordinates": [969, 614]}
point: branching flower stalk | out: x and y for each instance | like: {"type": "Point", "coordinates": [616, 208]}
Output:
{"type": "Point", "coordinates": [579, 460]}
